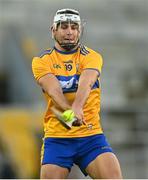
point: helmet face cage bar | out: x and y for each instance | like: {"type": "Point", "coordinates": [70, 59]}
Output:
{"type": "Point", "coordinates": [69, 22]}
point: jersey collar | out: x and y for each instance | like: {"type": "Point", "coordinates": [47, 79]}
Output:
{"type": "Point", "coordinates": [66, 52]}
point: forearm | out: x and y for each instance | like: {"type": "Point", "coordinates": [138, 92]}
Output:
{"type": "Point", "coordinates": [82, 95]}
{"type": "Point", "coordinates": [86, 82]}
{"type": "Point", "coordinates": [52, 87]}
{"type": "Point", "coordinates": [59, 99]}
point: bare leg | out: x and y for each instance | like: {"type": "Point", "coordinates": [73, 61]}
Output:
{"type": "Point", "coordinates": [105, 166]}
{"type": "Point", "coordinates": [51, 171]}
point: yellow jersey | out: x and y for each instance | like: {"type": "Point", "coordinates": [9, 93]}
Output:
{"type": "Point", "coordinates": [67, 67]}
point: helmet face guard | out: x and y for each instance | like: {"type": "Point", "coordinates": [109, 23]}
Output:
{"type": "Point", "coordinates": [70, 16]}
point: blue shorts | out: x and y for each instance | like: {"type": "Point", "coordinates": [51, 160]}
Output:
{"type": "Point", "coordinates": [65, 152]}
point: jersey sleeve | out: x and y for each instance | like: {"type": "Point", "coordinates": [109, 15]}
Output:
{"type": "Point", "coordinates": [93, 61]}
{"type": "Point", "coordinates": [40, 67]}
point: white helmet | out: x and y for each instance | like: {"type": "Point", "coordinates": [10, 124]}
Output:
{"type": "Point", "coordinates": [70, 15]}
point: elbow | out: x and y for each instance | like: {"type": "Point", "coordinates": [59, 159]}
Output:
{"type": "Point", "coordinates": [86, 85]}
{"type": "Point", "coordinates": [49, 91]}
{"type": "Point", "coordinates": [91, 83]}
{"type": "Point", "coordinates": [53, 92]}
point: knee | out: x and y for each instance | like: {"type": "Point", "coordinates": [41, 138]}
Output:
{"type": "Point", "coordinates": [50, 171]}
{"type": "Point", "coordinates": [115, 174]}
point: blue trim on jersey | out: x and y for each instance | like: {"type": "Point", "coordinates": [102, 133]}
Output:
{"type": "Point", "coordinates": [70, 83]}
{"type": "Point", "coordinates": [48, 51]}
{"type": "Point", "coordinates": [66, 52]}
{"type": "Point", "coordinates": [83, 50]}
{"type": "Point", "coordinates": [96, 85]}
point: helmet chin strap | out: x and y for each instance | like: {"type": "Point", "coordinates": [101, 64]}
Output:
{"type": "Point", "coordinates": [67, 46]}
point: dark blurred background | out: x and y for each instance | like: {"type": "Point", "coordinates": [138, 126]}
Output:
{"type": "Point", "coordinates": [118, 29]}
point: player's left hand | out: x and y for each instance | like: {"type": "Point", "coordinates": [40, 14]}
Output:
{"type": "Point", "coordinates": [79, 116]}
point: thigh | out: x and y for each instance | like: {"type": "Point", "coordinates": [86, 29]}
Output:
{"type": "Point", "coordinates": [56, 157]}
{"type": "Point", "coordinates": [104, 166]}
{"type": "Point", "coordinates": [90, 148]}
{"type": "Point", "coordinates": [51, 171]}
